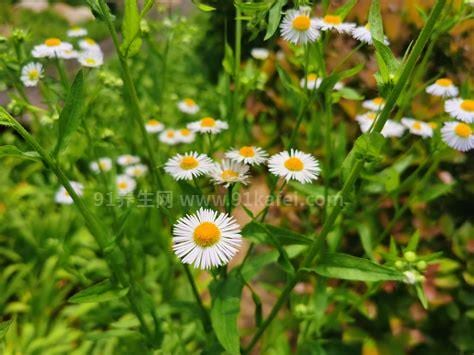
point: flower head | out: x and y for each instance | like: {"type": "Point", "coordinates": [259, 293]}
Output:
{"type": "Point", "coordinates": [31, 74]}
{"type": "Point", "coordinates": [298, 28]}
{"type": "Point", "coordinates": [62, 195]}
{"type": "Point", "coordinates": [188, 106]}
{"type": "Point", "coordinates": [294, 165]}
{"type": "Point", "coordinates": [229, 172]}
{"type": "Point", "coordinates": [375, 104]}
{"type": "Point", "coordinates": [208, 125]}
{"type": "Point", "coordinates": [169, 136]}
{"type": "Point", "coordinates": [443, 87]}
{"type": "Point", "coordinates": [189, 165]}
{"type": "Point", "coordinates": [125, 184]}
{"type": "Point", "coordinates": [102, 165]}
{"type": "Point", "coordinates": [260, 53]}
{"type": "Point", "coordinates": [136, 171]}
{"type": "Point", "coordinates": [334, 22]}
{"type": "Point", "coordinates": [76, 32]}
{"type": "Point", "coordinates": [51, 48]}
{"type": "Point", "coordinates": [206, 239]}
{"type": "Point", "coordinates": [461, 109]}
{"type": "Point", "coordinates": [185, 135]}
{"type": "Point", "coordinates": [127, 159]}
{"type": "Point", "coordinates": [312, 81]}
{"type": "Point", "coordinates": [91, 58]}
{"type": "Point", "coordinates": [362, 33]}
{"type": "Point", "coordinates": [418, 128]}
{"type": "Point", "coordinates": [88, 44]}
{"type": "Point", "coordinates": [392, 129]}
{"type": "Point", "coordinates": [154, 126]}
{"type": "Point", "coordinates": [248, 155]}
{"type": "Point", "coordinates": [458, 135]}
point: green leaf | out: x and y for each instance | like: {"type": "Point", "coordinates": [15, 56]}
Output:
{"type": "Point", "coordinates": [350, 94]}
{"type": "Point", "coordinates": [228, 61]}
{"type": "Point", "coordinates": [274, 17]}
{"type": "Point", "coordinates": [131, 29]}
{"type": "Point", "coordinates": [259, 232]}
{"type": "Point", "coordinates": [434, 191]}
{"type": "Point", "coordinates": [12, 151]}
{"type": "Point", "coordinates": [72, 112]}
{"type": "Point", "coordinates": [101, 292]}
{"type": "Point", "coordinates": [255, 264]}
{"type": "Point", "coordinates": [203, 7]}
{"type": "Point", "coordinates": [421, 295]}
{"type": "Point", "coordinates": [413, 243]}
{"type": "Point", "coordinates": [4, 326]}
{"type": "Point", "coordinates": [225, 309]}
{"type": "Point", "coordinates": [344, 10]}
{"type": "Point", "coordinates": [348, 267]}
{"type": "Point", "coordinates": [366, 238]}
{"type": "Point", "coordinates": [5, 119]}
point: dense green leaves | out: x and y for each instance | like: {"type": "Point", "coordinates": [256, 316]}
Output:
{"type": "Point", "coordinates": [72, 112]}
{"type": "Point", "coordinates": [348, 267]}
{"type": "Point", "coordinates": [101, 292]}
{"type": "Point", "coordinates": [131, 29]}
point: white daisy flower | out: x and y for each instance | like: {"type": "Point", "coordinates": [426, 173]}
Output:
{"type": "Point", "coordinates": [63, 197]}
{"type": "Point", "coordinates": [51, 48]}
{"type": "Point", "coordinates": [185, 135]}
{"type": "Point", "coordinates": [31, 74]}
{"type": "Point", "coordinates": [102, 165]}
{"type": "Point", "coordinates": [365, 120]}
{"type": "Point", "coordinates": [75, 32]}
{"type": "Point", "coordinates": [154, 126]}
{"type": "Point", "coordinates": [458, 135]}
{"type": "Point", "coordinates": [362, 33]}
{"type": "Point", "coordinates": [294, 165]}
{"type": "Point", "coordinates": [260, 53]}
{"type": "Point", "coordinates": [461, 109]}
{"type": "Point", "coordinates": [392, 129]}
{"type": "Point", "coordinates": [91, 59]}
{"type": "Point", "coordinates": [127, 159]}
{"type": "Point", "coordinates": [136, 171]}
{"type": "Point", "coordinates": [208, 125]}
{"type": "Point", "coordinates": [298, 28]}
{"type": "Point", "coordinates": [206, 239]}
{"type": "Point", "coordinates": [125, 184]}
{"type": "Point", "coordinates": [312, 82]}
{"type": "Point", "coordinates": [248, 155]}
{"type": "Point", "coordinates": [88, 44]}
{"type": "Point", "coordinates": [189, 165]}
{"type": "Point", "coordinates": [375, 104]}
{"type": "Point", "coordinates": [334, 22]}
{"type": "Point", "coordinates": [69, 54]}
{"type": "Point", "coordinates": [418, 128]}
{"type": "Point", "coordinates": [229, 172]}
{"type": "Point", "coordinates": [169, 136]}
{"type": "Point", "coordinates": [443, 87]}
{"type": "Point", "coordinates": [188, 106]}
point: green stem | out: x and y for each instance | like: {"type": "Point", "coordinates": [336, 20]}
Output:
{"type": "Point", "coordinates": [62, 73]}
{"type": "Point", "coordinates": [356, 168]}
{"type": "Point", "coordinates": [206, 319]}
{"type": "Point", "coordinates": [237, 56]}
{"type": "Point", "coordinates": [327, 149]}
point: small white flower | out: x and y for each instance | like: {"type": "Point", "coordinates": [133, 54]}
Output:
{"type": "Point", "coordinates": [411, 277]}
{"type": "Point", "coordinates": [136, 171]}
{"type": "Point", "coordinates": [69, 54]}
{"type": "Point", "coordinates": [461, 109]}
{"type": "Point", "coordinates": [362, 33]}
{"type": "Point", "coordinates": [102, 165]}
{"type": "Point", "coordinates": [125, 184]}
{"type": "Point", "coordinates": [31, 74]}
{"type": "Point", "coordinates": [365, 120]}
{"type": "Point", "coordinates": [294, 165]}
{"type": "Point", "coordinates": [63, 197]}
{"type": "Point", "coordinates": [248, 155]}
{"type": "Point", "coordinates": [76, 32]}
{"type": "Point", "coordinates": [169, 136]}
{"type": "Point", "coordinates": [229, 172]}
{"type": "Point", "coordinates": [91, 59]}
{"type": "Point", "coordinates": [376, 104]}
{"type": "Point", "coordinates": [298, 28]}
{"type": "Point", "coordinates": [206, 239]}
{"type": "Point", "coordinates": [88, 44]}
{"type": "Point", "coordinates": [185, 135]}
{"type": "Point", "coordinates": [312, 82]}
{"type": "Point", "coordinates": [127, 159]}
{"type": "Point", "coordinates": [51, 48]}
{"type": "Point", "coordinates": [334, 22]}
{"type": "Point", "coordinates": [189, 165]}
{"type": "Point", "coordinates": [154, 126]}
{"type": "Point", "coordinates": [392, 129]}
{"type": "Point", "coordinates": [458, 135]}
{"type": "Point", "coordinates": [188, 106]}
{"type": "Point", "coordinates": [443, 87]}
{"type": "Point", "coordinates": [208, 125]}
{"type": "Point", "coordinates": [260, 53]}
{"type": "Point", "coordinates": [418, 128]}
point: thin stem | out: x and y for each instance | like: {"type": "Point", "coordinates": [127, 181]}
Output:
{"type": "Point", "coordinates": [206, 319]}
{"type": "Point", "coordinates": [237, 56]}
{"type": "Point", "coordinates": [327, 144]}
{"type": "Point", "coordinates": [62, 73]}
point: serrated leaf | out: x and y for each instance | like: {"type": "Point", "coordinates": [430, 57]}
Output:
{"type": "Point", "coordinates": [100, 292]}
{"type": "Point", "coordinates": [12, 151]}
{"type": "Point", "coordinates": [348, 267]}
{"type": "Point", "coordinates": [274, 17]}
{"type": "Point", "coordinates": [131, 29]}
{"type": "Point", "coordinates": [72, 112]}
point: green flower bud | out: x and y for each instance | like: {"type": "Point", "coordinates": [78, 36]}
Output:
{"type": "Point", "coordinates": [410, 256]}
{"type": "Point", "coordinates": [399, 264]}
{"type": "Point", "coordinates": [421, 265]}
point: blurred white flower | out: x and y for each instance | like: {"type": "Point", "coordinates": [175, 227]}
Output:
{"type": "Point", "coordinates": [458, 135]}
{"type": "Point", "coordinates": [260, 53]}
{"type": "Point", "coordinates": [443, 87]}
{"type": "Point", "coordinates": [208, 125]}
{"type": "Point", "coordinates": [102, 165]}
{"type": "Point", "coordinates": [461, 109]}
{"type": "Point", "coordinates": [51, 48]}
{"type": "Point", "coordinates": [334, 22]}
{"type": "Point", "coordinates": [298, 28]}
{"type": "Point", "coordinates": [31, 74]}
{"type": "Point", "coordinates": [62, 195]}
{"type": "Point", "coordinates": [188, 106]}
{"type": "Point", "coordinates": [76, 32]}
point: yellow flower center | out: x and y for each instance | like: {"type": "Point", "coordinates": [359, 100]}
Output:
{"type": "Point", "coordinates": [371, 116]}
{"type": "Point", "coordinates": [301, 23]}
{"type": "Point", "coordinates": [33, 74]}
{"type": "Point", "coordinates": [416, 125]}
{"type": "Point", "coordinates": [312, 77]}
{"type": "Point", "coordinates": [90, 61]}
{"type": "Point", "coordinates": [332, 19]}
{"type": "Point", "coordinates": [206, 234]}
{"type": "Point", "coordinates": [294, 164]}
{"type": "Point", "coordinates": [102, 165]}
{"type": "Point", "coordinates": [189, 102]}
{"type": "Point", "coordinates": [90, 41]}
{"type": "Point", "coordinates": [378, 100]}
{"type": "Point", "coordinates": [185, 132]}
{"type": "Point", "coordinates": [52, 42]}
{"type": "Point", "coordinates": [468, 105]}
{"type": "Point", "coordinates": [122, 185]}
{"type": "Point", "coordinates": [367, 26]}
{"type": "Point", "coordinates": [153, 122]}
{"type": "Point", "coordinates": [444, 82]}
{"type": "Point", "coordinates": [433, 125]}
{"type": "Point", "coordinates": [229, 175]}
{"type": "Point", "coordinates": [208, 122]}
{"type": "Point", "coordinates": [170, 134]}
{"type": "Point", "coordinates": [247, 152]}
{"type": "Point", "coordinates": [463, 130]}
{"type": "Point", "coordinates": [188, 163]}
